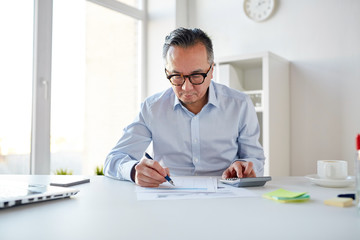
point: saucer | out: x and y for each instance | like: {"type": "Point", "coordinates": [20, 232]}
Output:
{"type": "Point", "coordinates": [314, 178]}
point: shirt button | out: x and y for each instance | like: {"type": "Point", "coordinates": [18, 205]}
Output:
{"type": "Point", "coordinates": [195, 140]}
{"type": "Point", "coordinates": [196, 160]}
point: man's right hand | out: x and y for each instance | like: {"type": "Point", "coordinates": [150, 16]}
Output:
{"type": "Point", "coordinates": [149, 173]}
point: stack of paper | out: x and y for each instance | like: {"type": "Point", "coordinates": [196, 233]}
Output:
{"type": "Point", "coordinates": [192, 188]}
{"type": "Point", "coordinates": [284, 196]}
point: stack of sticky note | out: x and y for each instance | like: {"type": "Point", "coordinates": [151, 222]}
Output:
{"type": "Point", "coordinates": [284, 196]}
{"type": "Point", "coordinates": [339, 202]}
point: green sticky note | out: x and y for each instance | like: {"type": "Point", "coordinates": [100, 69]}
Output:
{"type": "Point", "coordinates": [302, 197]}
{"type": "Point", "coordinates": [284, 194]}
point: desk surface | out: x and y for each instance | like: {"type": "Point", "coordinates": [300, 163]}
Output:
{"type": "Point", "coordinates": [108, 209]}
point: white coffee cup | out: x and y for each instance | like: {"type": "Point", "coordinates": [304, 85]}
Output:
{"type": "Point", "coordinates": [332, 169]}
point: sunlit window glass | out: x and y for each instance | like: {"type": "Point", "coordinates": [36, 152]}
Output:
{"type": "Point", "coordinates": [16, 55]}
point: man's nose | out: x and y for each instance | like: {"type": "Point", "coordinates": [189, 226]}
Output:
{"type": "Point", "coordinates": [187, 84]}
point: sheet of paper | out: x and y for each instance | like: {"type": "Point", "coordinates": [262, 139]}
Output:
{"type": "Point", "coordinates": [183, 184]}
{"type": "Point", "coordinates": [236, 191]}
{"type": "Point", "coordinates": [221, 191]}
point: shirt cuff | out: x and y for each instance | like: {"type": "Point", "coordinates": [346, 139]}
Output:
{"type": "Point", "coordinates": [126, 168]}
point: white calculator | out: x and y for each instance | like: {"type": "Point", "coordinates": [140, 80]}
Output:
{"type": "Point", "coordinates": [246, 182]}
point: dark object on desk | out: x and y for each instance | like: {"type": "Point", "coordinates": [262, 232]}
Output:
{"type": "Point", "coordinates": [348, 195]}
{"type": "Point", "coordinates": [68, 181]}
{"type": "Point", "coordinates": [246, 182]}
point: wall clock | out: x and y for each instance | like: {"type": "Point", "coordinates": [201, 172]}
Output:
{"type": "Point", "coordinates": [259, 10]}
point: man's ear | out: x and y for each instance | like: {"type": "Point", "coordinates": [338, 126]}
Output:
{"type": "Point", "coordinates": [212, 71]}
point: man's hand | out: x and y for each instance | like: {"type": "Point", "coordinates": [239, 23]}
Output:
{"type": "Point", "coordinates": [239, 169]}
{"type": "Point", "coordinates": [149, 173]}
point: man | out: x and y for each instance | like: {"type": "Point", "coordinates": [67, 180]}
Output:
{"type": "Point", "coordinates": [197, 127]}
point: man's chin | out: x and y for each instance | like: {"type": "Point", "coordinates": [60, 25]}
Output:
{"type": "Point", "coordinates": [187, 100]}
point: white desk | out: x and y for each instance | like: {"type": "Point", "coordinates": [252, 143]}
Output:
{"type": "Point", "coordinates": [108, 209]}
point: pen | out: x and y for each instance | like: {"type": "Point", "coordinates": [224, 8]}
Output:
{"type": "Point", "coordinates": [167, 176]}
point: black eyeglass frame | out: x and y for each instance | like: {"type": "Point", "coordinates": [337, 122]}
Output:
{"type": "Point", "coordinates": [204, 75]}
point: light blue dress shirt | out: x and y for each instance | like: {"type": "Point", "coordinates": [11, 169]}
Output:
{"type": "Point", "coordinates": [225, 130]}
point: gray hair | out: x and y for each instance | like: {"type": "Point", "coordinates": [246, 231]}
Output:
{"type": "Point", "coordinates": [183, 37]}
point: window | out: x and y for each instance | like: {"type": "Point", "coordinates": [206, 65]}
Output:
{"type": "Point", "coordinates": [16, 48]}
{"type": "Point", "coordinates": [94, 83]}
{"type": "Point", "coordinates": [84, 98]}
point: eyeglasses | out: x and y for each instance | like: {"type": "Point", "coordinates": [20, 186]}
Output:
{"type": "Point", "coordinates": [195, 78]}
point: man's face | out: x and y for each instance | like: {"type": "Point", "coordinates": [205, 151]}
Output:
{"type": "Point", "coordinates": [189, 61]}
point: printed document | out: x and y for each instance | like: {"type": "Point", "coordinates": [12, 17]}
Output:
{"type": "Point", "coordinates": [192, 188]}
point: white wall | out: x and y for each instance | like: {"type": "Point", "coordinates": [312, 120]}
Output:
{"type": "Point", "coordinates": [321, 39]}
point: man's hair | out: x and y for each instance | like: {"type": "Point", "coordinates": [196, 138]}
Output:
{"type": "Point", "coordinates": [183, 37]}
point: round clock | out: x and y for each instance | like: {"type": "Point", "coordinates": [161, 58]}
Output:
{"type": "Point", "coordinates": [259, 10]}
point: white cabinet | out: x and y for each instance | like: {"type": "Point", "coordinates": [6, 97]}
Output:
{"type": "Point", "coordinates": [265, 77]}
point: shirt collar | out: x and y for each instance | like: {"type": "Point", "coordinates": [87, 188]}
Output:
{"type": "Point", "coordinates": [212, 97]}
{"type": "Point", "coordinates": [213, 100]}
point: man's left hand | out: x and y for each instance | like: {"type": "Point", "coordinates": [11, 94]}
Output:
{"type": "Point", "coordinates": [239, 169]}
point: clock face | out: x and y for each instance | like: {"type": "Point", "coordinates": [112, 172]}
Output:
{"type": "Point", "coordinates": [259, 10]}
